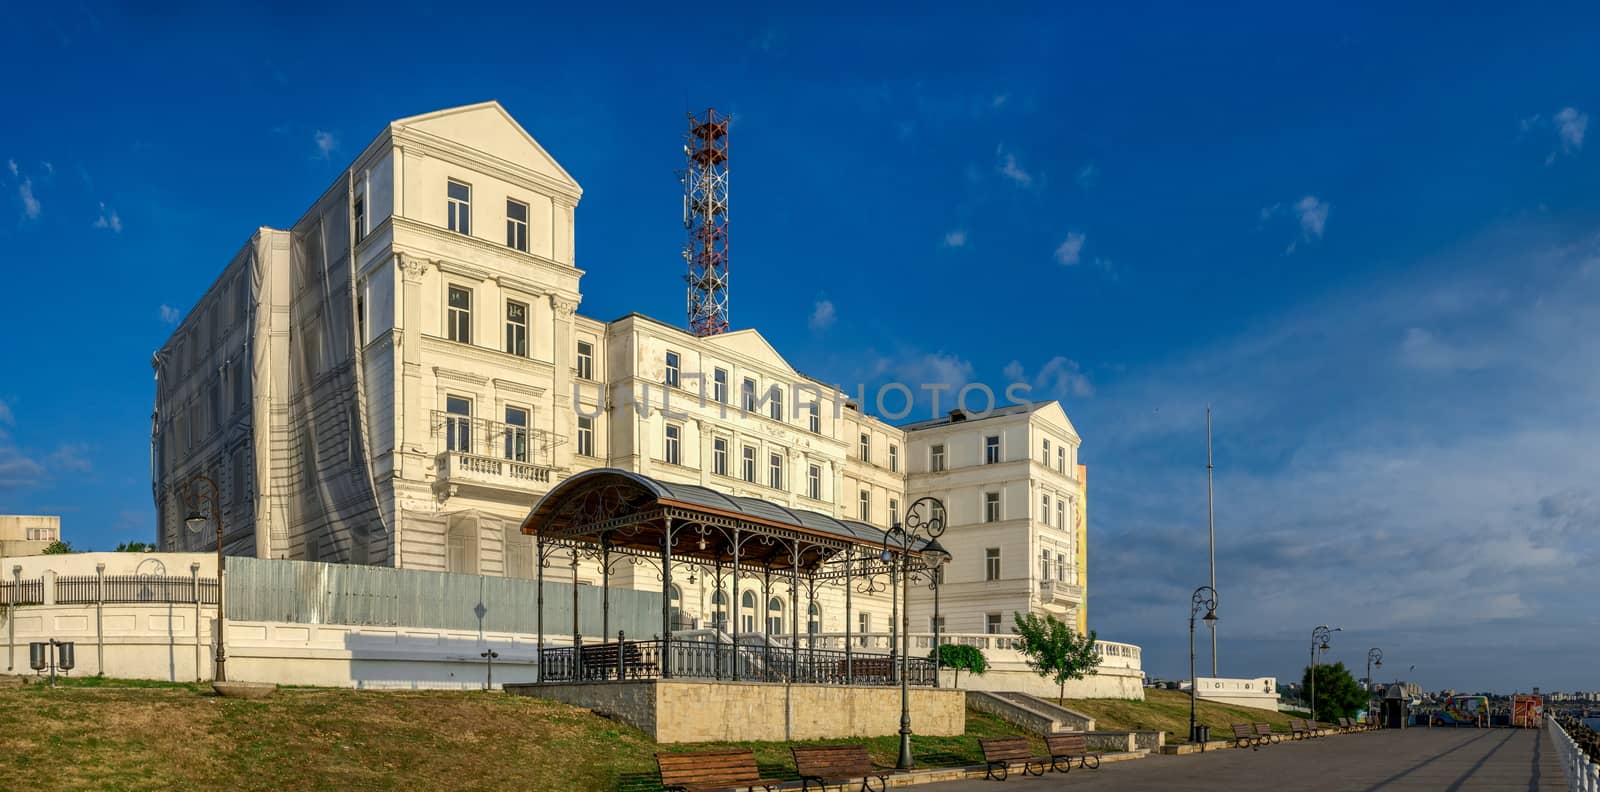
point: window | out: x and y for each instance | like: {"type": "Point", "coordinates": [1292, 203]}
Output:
{"type": "Point", "coordinates": [1061, 514]}
{"type": "Point", "coordinates": [1044, 509]}
{"type": "Point", "coordinates": [775, 407]}
{"type": "Point", "coordinates": [894, 458]}
{"type": "Point", "coordinates": [865, 504]}
{"type": "Point", "coordinates": [585, 436]}
{"type": "Point", "coordinates": [459, 207]}
{"type": "Point", "coordinates": [516, 434]}
{"type": "Point", "coordinates": [747, 394]}
{"type": "Point", "coordinates": [1061, 567]}
{"type": "Point", "coordinates": [719, 385]}
{"type": "Point", "coordinates": [517, 329]}
{"type": "Point", "coordinates": [936, 457]}
{"type": "Point", "coordinates": [748, 462]}
{"type": "Point", "coordinates": [991, 507]}
{"type": "Point", "coordinates": [815, 424]}
{"type": "Point", "coordinates": [813, 619]}
{"type": "Point", "coordinates": [991, 449]}
{"type": "Point", "coordinates": [814, 482]}
{"type": "Point", "coordinates": [516, 225]}
{"type": "Point", "coordinates": [672, 369]}
{"type": "Point", "coordinates": [936, 625]}
{"type": "Point", "coordinates": [774, 616]}
{"type": "Point", "coordinates": [937, 513]}
{"type": "Point", "coordinates": [672, 451]}
{"type": "Point", "coordinates": [238, 478]}
{"type": "Point", "coordinates": [894, 511]}
{"type": "Point", "coordinates": [1047, 452]}
{"type": "Point", "coordinates": [674, 598]}
{"type": "Point", "coordinates": [864, 625]}
{"type": "Point", "coordinates": [460, 315]}
{"type": "Point", "coordinates": [585, 360]}
{"type": "Point", "coordinates": [747, 602]}
{"type": "Point", "coordinates": [360, 219]}
{"type": "Point", "coordinates": [775, 471]}
{"type": "Point", "coordinates": [719, 456]}
{"type": "Point", "coordinates": [458, 424]}
{"type": "Point", "coordinates": [991, 563]}
{"type": "Point", "coordinates": [1061, 459]}
{"type": "Point", "coordinates": [865, 448]}
{"type": "Point", "coordinates": [991, 623]}
{"type": "Point", "coordinates": [1044, 565]}
{"type": "Point", "coordinates": [719, 611]}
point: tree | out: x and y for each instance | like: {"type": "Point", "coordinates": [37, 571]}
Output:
{"type": "Point", "coordinates": [1054, 651]}
{"type": "Point", "coordinates": [962, 656]}
{"type": "Point", "coordinates": [136, 547]}
{"type": "Point", "coordinates": [59, 547]}
{"type": "Point", "coordinates": [1338, 693]}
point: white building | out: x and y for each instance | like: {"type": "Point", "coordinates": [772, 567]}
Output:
{"type": "Point", "coordinates": [413, 418]}
{"type": "Point", "coordinates": [27, 534]}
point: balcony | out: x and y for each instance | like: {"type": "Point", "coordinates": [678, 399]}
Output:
{"type": "Point", "coordinates": [491, 455]}
{"type": "Point", "coordinates": [1053, 592]}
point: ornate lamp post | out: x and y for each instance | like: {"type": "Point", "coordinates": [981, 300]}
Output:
{"type": "Point", "coordinates": [1204, 597]}
{"type": "Point", "coordinates": [1319, 643]}
{"type": "Point", "coordinates": [924, 520]}
{"type": "Point", "coordinates": [1374, 659]}
{"type": "Point", "coordinates": [197, 522]}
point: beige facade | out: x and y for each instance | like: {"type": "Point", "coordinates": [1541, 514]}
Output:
{"type": "Point", "coordinates": [27, 534]}
{"type": "Point", "coordinates": [400, 376]}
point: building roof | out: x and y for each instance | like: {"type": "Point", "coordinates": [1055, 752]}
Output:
{"type": "Point", "coordinates": [968, 417]}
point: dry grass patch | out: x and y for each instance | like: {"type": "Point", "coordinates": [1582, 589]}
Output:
{"type": "Point", "coordinates": [1168, 711]}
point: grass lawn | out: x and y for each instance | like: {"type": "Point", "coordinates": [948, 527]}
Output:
{"type": "Point", "coordinates": [1168, 710]}
{"type": "Point", "coordinates": [105, 734]}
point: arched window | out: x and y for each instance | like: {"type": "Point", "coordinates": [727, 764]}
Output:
{"type": "Point", "coordinates": [676, 597]}
{"type": "Point", "coordinates": [747, 611]}
{"type": "Point", "coordinates": [774, 616]}
{"type": "Point", "coordinates": [719, 611]}
{"type": "Point", "coordinates": [814, 619]}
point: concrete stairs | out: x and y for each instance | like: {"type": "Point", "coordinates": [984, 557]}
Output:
{"type": "Point", "coordinates": [1029, 712]}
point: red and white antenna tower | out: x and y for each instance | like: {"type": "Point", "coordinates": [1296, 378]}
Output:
{"type": "Point", "coordinates": [705, 217]}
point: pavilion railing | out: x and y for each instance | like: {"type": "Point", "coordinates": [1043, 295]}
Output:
{"type": "Point", "coordinates": [708, 660]}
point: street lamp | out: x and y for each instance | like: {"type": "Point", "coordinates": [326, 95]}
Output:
{"type": "Point", "coordinates": [1204, 597]}
{"type": "Point", "coordinates": [924, 519]}
{"type": "Point", "coordinates": [1319, 643]}
{"type": "Point", "coordinates": [1374, 658]}
{"type": "Point", "coordinates": [197, 522]}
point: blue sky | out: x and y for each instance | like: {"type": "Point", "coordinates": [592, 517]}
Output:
{"type": "Point", "coordinates": [1371, 240]}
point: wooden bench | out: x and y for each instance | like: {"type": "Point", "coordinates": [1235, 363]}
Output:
{"type": "Point", "coordinates": [1298, 730]}
{"type": "Point", "coordinates": [600, 661]}
{"type": "Point", "coordinates": [1001, 753]}
{"type": "Point", "coordinates": [837, 764]}
{"type": "Point", "coordinates": [1244, 736]}
{"type": "Point", "coordinates": [1064, 748]}
{"type": "Point", "coordinates": [1264, 731]}
{"type": "Point", "coordinates": [704, 771]}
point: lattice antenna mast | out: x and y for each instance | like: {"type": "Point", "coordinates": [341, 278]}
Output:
{"type": "Point", "coordinates": [705, 217]}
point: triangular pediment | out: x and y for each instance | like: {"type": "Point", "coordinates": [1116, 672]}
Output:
{"type": "Point", "coordinates": [488, 128]}
{"type": "Point", "coordinates": [750, 344]}
{"type": "Point", "coordinates": [1052, 412]}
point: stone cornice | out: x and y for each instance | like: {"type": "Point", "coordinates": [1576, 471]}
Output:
{"type": "Point", "coordinates": [437, 345]}
{"type": "Point", "coordinates": [447, 236]}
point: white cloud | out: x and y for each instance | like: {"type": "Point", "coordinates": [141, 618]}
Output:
{"type": "Point", "coordinates": [109, 219]}
{"type": "Point", "coordinates": [49, 170]}
{"type": "Point", "coordinates": [1313, 216]}
{"type": "Point", "coordinates": [1060, 377]}
{"type": "Point", "coordinates": [169, 314]}
{"type": "Point", "coordinates": [5, 414]}
{"type": "Point", "coordinates": [12, 164]}
{"type": "Point", "coordinates": [1570, 127]}
{"type": "Point", "coordinates": [1000, 100]}
{"type": "Point", "coordinates": [1069, 251]}
{"type": "Point", "coordinates": [933, 368]}
{"type": "Point", "coordinates": [326, 143]}
{"type": "Point", "coordinates": [1009, 168]}
{"type": "Point", "coordinates": [70, 458]}
{"type": "Point", "coordinates": [1088, 176]}
{"type": "Point", "coordinates": [822, 315]}
{"type": "Point", "coordinates": [30, 204]}
{"type": "Point", "coordinates": [956, 238]}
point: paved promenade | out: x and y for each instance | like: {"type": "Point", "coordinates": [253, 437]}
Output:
{"type": "Point", "coordinates": [1438, 760]}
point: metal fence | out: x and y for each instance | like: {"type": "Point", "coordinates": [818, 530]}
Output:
{"type": "Point", "coordinates": [82, 589]}
{"type": "Point", "coordinates": [307, 592]}
{"type": "Point", "coordinates": [22, 592]}
{"type": "Point", "coordinates": [707, 660]}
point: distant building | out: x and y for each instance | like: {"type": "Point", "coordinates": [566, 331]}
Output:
{"type": "Point", "coordinates": [27, 534]}
{"type": "Point", "coordinates": [398, 378]}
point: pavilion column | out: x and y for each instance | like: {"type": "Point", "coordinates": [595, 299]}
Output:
{"type": "Point", "coordinates": [794, 597]}
{"type": "Point", "coordinates": [766, 625]}
{"type": "Point", "coordinates": [894, 619]}
{"type": "Point", "coordinates": [538, 566]}
{"type": "Point", "coordinates": [716, 623]}
{"type": "Point", "coordinates": [666, 598]}
{"type": "Point", "coordinates": [577, 633]}
{"type": "Point", "coordinates": [605, 590]}
{"type": "Point", "coordinates": [849, 565]}
{"type": "Point", "coordinates": [733, 630]}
